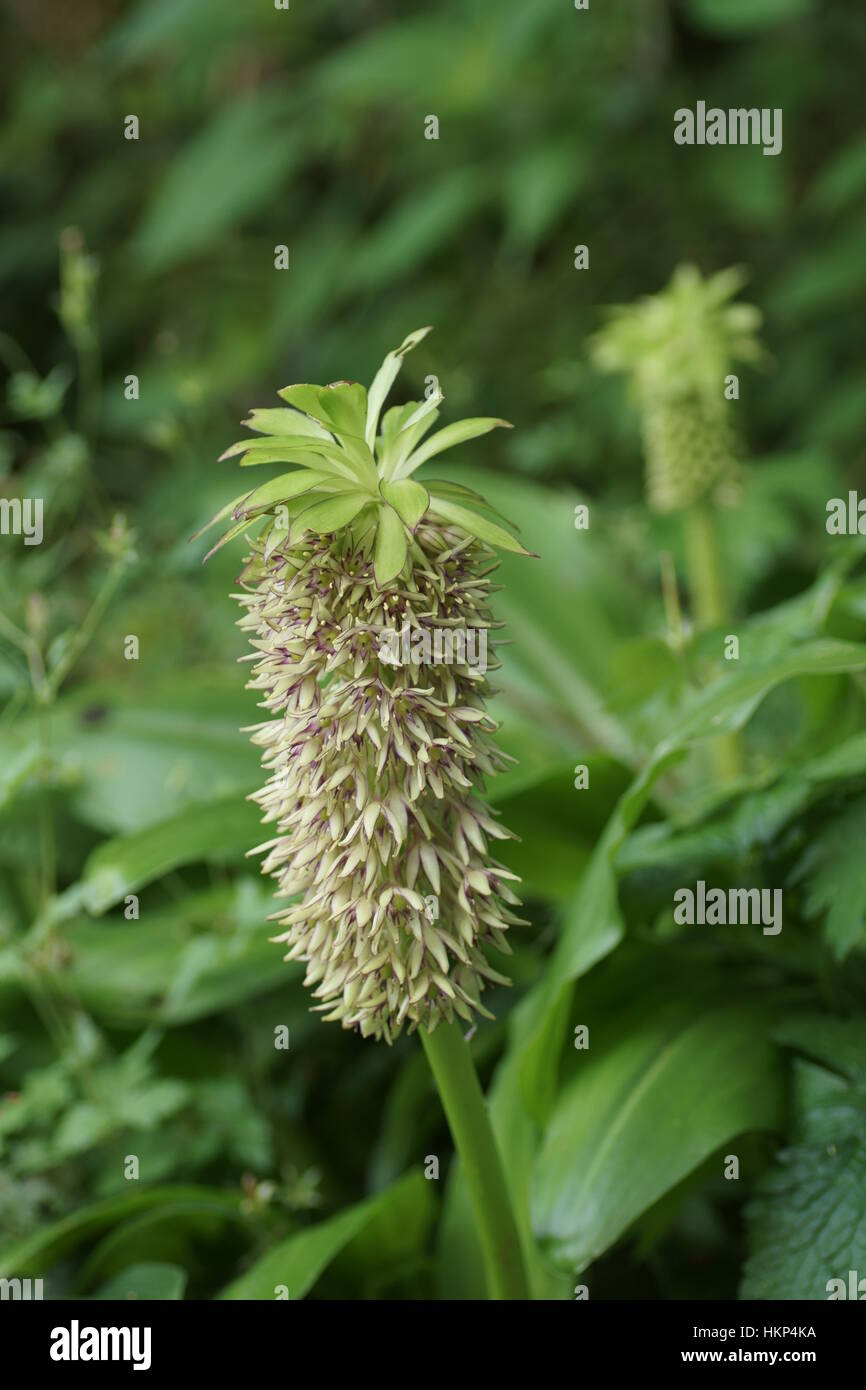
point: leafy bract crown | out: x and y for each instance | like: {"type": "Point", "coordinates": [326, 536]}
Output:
{"type": "Point", "coordinates": [353, 467]}
{"type": "Point", "coordinates": [681, 341]}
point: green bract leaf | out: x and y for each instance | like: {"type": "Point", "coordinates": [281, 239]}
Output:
{"type": "Point", "coordinates": [281, 420]}
{"type": "Point", "coordinates": [272, 448]}
{"type": "Point", "coordinates": [476, 525]}
{"type": "Point", "coordinates": [333, 512]}
{"type": "Point", "coordinates": [446, 438]}
{"type": "Point", "coordinates": [458, 492]}
{"type": "Point", "coordinates": [229, 536]}
{"type": "Point", "coordinates": [409, 500]}
{"type": "Point", "coordinates": [290, 485]}
{"type": "Point", "coordinates": [305, 397]}
{"type": "Point", "coordinates": [221, 515]}
{"type": "Point", "coordinates": [391, 547]}
{"type": "Point", "coordinates": [345, 404]}
{"type": "Point", "coordinates": [384, 380]}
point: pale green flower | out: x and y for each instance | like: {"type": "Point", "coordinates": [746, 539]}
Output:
{"type": "Point", "coordinates": [677, 347]}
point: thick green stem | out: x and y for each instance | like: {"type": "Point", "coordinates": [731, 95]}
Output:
{"type": "Point", "coordinates": [710, 605]}
{"type": "Point", "coordinates": [466, 1111]}
{"type": "Point", "coordinates": [704, 570]}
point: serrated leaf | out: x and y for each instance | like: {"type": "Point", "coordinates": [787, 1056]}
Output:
{"type": "Point", "coordinates": [475, 525]}
{"type": "Point", "coordinates": [834, 868]}
{"type": "Point", "coordinates": [807, 1226]}
{"type": "Point", "coordinates": [410, 500]}
{"type": "Point", "coordinates": [447, 438]}
{"type": "Point", "coordinates": [391, 547]}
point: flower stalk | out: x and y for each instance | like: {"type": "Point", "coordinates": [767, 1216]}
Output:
{"type": "Point", "coordinates": [466, 1112]}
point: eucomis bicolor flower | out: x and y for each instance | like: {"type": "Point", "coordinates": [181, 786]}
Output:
{"type": "Point", "coordinates": [376, 770]}
{"type": "Point", "coordinates": [677, 347]}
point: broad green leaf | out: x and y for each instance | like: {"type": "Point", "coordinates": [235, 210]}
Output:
{"type": "Point", "coordinates": [730, 702]}
{"type": "Point", "coordinates": [476, 525]}
{"type": "Point", "coordinates": [332, 513]}
{"type": "Point", "coordinates": [206, 952]}
{"type": "Point", "coordinates": [384, 380]}
{"type": "Point", "coordinates": [731, 18]}
{"type": "Point", "coordinates": [297, 1262]}
{"type": "Point", "coordinates": [219, 176]}
{"type": "Point", "coordinates": [391, 547]}
{"type": "Point", "coordinates": [145, 1281]}
{"type": "Point", "coordinates": [223, 830]}
{"type": "Point", "coordinates": [593, 926]}
{"type": "Point", "coordinates": [807, 1225]}
{"type": "Point", "coordinates": [651, 1099]}
{"type": "Point", "coordinates": [174, 740]}
{"type": "Point", "coordinates": [446, 438]}
{"type": "Point", "coordinates": [410, 500]}
{"type": "Point", "coordinates": [39, 1252]}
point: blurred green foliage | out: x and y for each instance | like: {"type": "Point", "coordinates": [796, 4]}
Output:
{"type": "Point", "coordinates": [154, 1036]}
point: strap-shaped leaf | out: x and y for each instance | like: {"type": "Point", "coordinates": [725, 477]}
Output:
{"type": "Point", "coordinates": [229, 536]}
{"type": "Point", "coordinates": [291, 485]}
{"type": "Point", "coordinates": [458, 492]}
{"type": "Point", "coordinates": [221, 515]}
{"type": "Point", "coordinates": [409, 500]}
{"type": "Point", "coordinates": [320, 454]}
{"type": "Point", "coordinates": [478, 526]}
{"type": "Point", "coordinates": [391, 546]}
{"type": "Point", "coordinates": [412, 431]}
{"type": "Point", "coordinates": [333, 512]}
{"type": "Point", "coordinates": [384, 380]}
{"type": "Point", "coordinates": [457, 433]}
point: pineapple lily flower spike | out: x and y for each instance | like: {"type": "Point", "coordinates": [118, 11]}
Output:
{"type": "Point", "coordinates": [676, 349]}
{"type": "Point", "coordinates": [376, 754]}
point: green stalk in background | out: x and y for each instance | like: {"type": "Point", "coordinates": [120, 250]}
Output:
{"type": "Point", "coordinates": [377, 745]}
{"type": "Point", "coordinates": [677, 348]}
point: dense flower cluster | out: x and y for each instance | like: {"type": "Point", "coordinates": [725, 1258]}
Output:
{"type": "Point", "coordinates": [376, 777]}
{"type": "Point", "coordinates": [677, 347]}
